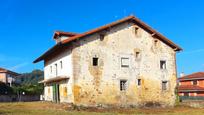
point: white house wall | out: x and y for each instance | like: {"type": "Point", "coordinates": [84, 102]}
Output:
{"type": "Point", "coordinates": [66, 71]}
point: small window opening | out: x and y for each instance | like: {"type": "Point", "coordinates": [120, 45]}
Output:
{"type": "Point", "coordinates": [195, 82]}
{"type": "Point", "coordinates": [137, 54]}
{"type": "Point", "coordinates": [136, 30]}
{"type": "Point", "coordinates": [123, 85]}
{"type": "Point", "coordinates": [56, 69]}
{"type": "Point", "coordinates": [162, 64]}
{"type": "Point", "coordinates": [61, 65]}
{"type": "Point", "coordinates": [156, 43]}
{"type": "Point", "coordinates": [102, 36]}
{"type": "Point", "coordinates": [50, 69]}
{"type": "Point", "coordinates": [164, 85]}
{"type": "Point", "coordinates": [65, 91]}
{"type": "Point", "coordinates": [124, 62]}
{"type": "Point", "coordinates": [95, 61]}
{"type": "Point", "coordinates": [186, 94]}
{"type": "Point", "coordinates": [139, 82]}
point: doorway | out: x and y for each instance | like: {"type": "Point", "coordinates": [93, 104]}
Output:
{"type": "Point", "coordinates": [56, 96]}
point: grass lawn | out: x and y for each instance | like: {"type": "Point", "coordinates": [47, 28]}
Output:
{"type": "Point", "coordinates": [46, 108]}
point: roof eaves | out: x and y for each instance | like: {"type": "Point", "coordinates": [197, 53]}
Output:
{"type": "Point", "coordinates": [52, 49]}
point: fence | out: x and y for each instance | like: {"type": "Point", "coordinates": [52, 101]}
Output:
{"type": "Point", "coordinates": [15, 98]}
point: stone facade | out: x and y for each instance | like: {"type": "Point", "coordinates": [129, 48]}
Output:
{"type": "Point", "coordinates": [120, 66]}
{"type": "Point", "coordinates": [101, 84]}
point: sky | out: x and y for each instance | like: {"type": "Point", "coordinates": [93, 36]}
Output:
{"type": "Point", "coordinates": [27, 26]}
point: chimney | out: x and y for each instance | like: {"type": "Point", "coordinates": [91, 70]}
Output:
{"type": "Point", "coordinates": [182, 74]}
{"type": "Point", "coordinates": [60, 36]}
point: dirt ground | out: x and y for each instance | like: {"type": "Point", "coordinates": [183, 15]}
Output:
{"type": "Point", "coordinates": [47, 108]}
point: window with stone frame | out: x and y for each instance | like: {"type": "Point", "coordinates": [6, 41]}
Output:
{"type": "Point", "coordinates": [164, 85]}
{"type": "Point", "coordinates": [162, 64]}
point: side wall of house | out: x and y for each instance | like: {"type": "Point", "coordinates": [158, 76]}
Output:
{"type": "Point", "coordinates": [64, 69]}
{"type": "Point", "coordinates": [3, 77]}
{"type": "Point", "coordinates": [100, 84]}
{"type": "Point", "coordinates": [185, 83]}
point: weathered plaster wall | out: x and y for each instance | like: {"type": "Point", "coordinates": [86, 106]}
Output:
{"type": "Point", "coordinates": [101, 84]}
{"type": "Point", "coordinates": [65, 87]}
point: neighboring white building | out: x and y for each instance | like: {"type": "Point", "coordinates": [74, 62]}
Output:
{"type": "Point", "coordinates": [9, 77]}
{"type": "Point", "coordinates": [120, 64]}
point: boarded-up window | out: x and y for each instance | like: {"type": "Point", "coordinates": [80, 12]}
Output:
{"type": "Point", "coordinates": [123, 85]}
{"type": "Point", "coordinates": [125, 62]}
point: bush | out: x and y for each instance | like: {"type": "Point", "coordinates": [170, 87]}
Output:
{"type": "Point", "coordinates": [5, 89]}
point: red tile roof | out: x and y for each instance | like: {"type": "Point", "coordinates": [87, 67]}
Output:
{"type": "Point", "coordinates": [188, 88]}
{"type": "Point", "coordinates": [129, 18]}
{"type": "Point", "coordinates": [2, 70]}
{"type": "Point", "coordinates": [198, 75]}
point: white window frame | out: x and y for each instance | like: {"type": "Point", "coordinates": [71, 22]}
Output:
{"type": "Point", "coordinates": [125, 62]}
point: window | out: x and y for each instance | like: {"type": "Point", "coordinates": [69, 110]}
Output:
{"type": "Point", "coordinates": [137, 54]}
{"type": "Point", "coordinates": [95, 61]}
{"type": "Point", "coordinates": [136, 30]}
{"type": "Point", "coordinates": [61, 64]}
{"type": "Point", "coordinates": [123, 85]}
{"type": "Point", "coordinates": [56, 69]}
{"type": "Point", "coordinates": [48, 91]}
{"type": "Point", "coordinates": [65, 92]}
{"type": "Point", "coordinates": [50, 69]}
{"type": "Point", "coordinates": [156, 43]}
{"type": "Point", "coordinates": [162, 64]}
{"type": "Point", "coordinates": [164, 85]}
{"type": "Point", "coordinates": [195, 82]}
{"type": "Point", "coordinates": [186, 94]}
{"type": "Point", "coordinates": [102, 36]}
{"type": "Point", "coordinates": [124, 62]}
{"type": "Point", "coordinates": [139, 82]}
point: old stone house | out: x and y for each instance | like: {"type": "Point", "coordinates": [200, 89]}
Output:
{"type": "Point", "coordinates": [120, 64]}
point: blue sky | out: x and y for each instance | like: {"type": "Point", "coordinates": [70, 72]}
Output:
{"type": "Point", "coordinates": [27, 26]}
